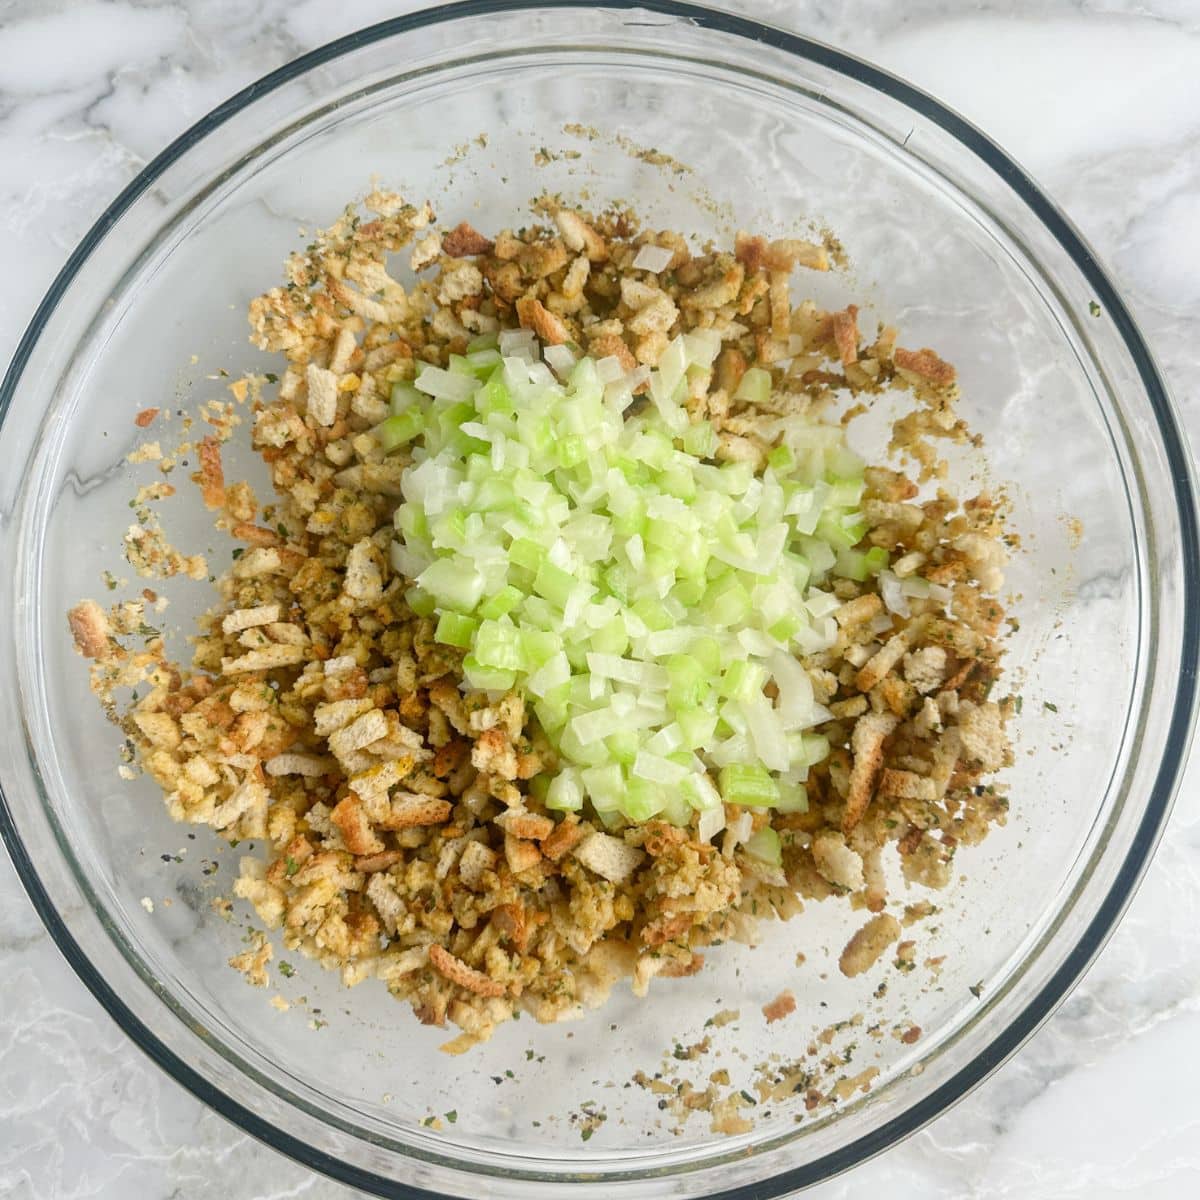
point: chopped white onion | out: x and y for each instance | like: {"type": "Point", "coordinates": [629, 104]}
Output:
{"type": "Point", "coordinates": [893, 595]}
{"type": "Point", "coordinates": [560, 358]}
{"type": "Point", "coordinates": [653, 258]}
{"type": "Point", "coordinates": [512, 341]}
{"type": "Point", "coordinates": [609, 369]}
{"type": "Point", "coordinates": [711, 821]}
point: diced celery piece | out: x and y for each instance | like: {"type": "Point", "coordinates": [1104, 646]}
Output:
{"type": "Point", "coordinates": [611, 638]}
{"type": "Point", "coordinates": [487, 678]}
{"type": "Point", "coordinates": [502, 603]}
{"type": "Point", "coordinates": [643, 799]}
{"type": "Point", "coordinates": [743, 679]}
{"type": "Point", "coordinates": [420, 601]}
{"type": "Point", "coordinates": [399, 430]}
{"type": "Point", "coordinates": [410, 520]}
{"type": "Point", "coordinates": [676, 808]}
{"type": "Point", "coordinates": [700, 792]}
{"type": "Point", "coordinates": [453, 584]}
{"type": "Point", "coordinates": [689, 683]}
{"type": "Point", "coordinates": [782, 460]}
{"type": "Point", "coordinates": [553, 583]}
{"type": "Point", "coordinates": [726, 602]}
{"type": "Point", "coordinates": [570, 451]}
{"type": "Point", "coordinates": [678, 481]}
{"type": "Point", "coordinates": [793, 797]}
{"type": "Point", "coordinates": [539, 645]}
{"type": "Point", "coordinates": [698, 727]}
{"type": "Point", "coordinates": [482, 363]}
{"type": "Point", "coordinates": [755, 386]}
{"type": "Point", "coordinates": [499, 646]}
{"type": "Point", "coordinates": [707, 652]}
{"type": "Point", "coordinates": [876, 559]}
{"type": "Point", "coordinates": [689, 592]}
{"type": "Point", "coordinates": [618, 581]}
{"type": "Point", "coordinates": [748, 784]}
{"type": "Point", "coordinates": [453, 629]}
{"type": "Point", "coordinates": [605, 785]}
{"type": "Point", "coordinates": [851, 564]}
{"type": "Point", "coordinates": [623, 745]}
{"type": "Point", "coordinates": [493, 396]}
{"type": "Point", "coordinates": [786, 628]}
{"type": "Point", "coordinates": [527, 553]}
{"type": "Point", "coordinates": [653, 615]}
{"type": "Point", "coordinates": [483, 341]}
{"type": "Point", "coordinates": [551, 715]}
{"type": "Point", "coordinates": [700, 439]}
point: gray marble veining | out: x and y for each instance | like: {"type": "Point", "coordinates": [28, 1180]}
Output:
{"type": "Point", "coordinates": [1101, 100]}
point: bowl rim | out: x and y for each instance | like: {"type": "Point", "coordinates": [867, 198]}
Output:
{"type": "Point", "coordinates": [1178, 732]}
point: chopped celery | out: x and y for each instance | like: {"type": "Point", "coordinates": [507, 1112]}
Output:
{"type": "Point", "coordinates": [498, 645]}
{"type": "Point", "coordinates": [420, 601]}
{"type": "Point", "coordinates": [700, 439]}
{"type": "Point", "coordinates": [643, 799]}
{"type": "Point", "coordinates": [453, 629]}
{"type": "Point", "coordinates": [748, 784]}
{"type": "Point", "coordinates": [623, 745]}
{"type": "Point", "coordinates": [488, 678]}
{"type": "Point", "coordinates": [782, 460]}
{"type": "Point", "coordinates": [501, 603]}
{"type": "Point", "coordinates": [527, 553]}
{"type": "Point", "coordinates": [553, 583]}
{"type": "Point", "coordinates": [689, 683]}
{"type": "Point", "coordinates": [793, 797]}
{"type": "Point", "coordinates": [755, 386]}
{"type": "Point", "coordinates": [399, 430]}
{"type": "Point", "coordinates": [454, 585]}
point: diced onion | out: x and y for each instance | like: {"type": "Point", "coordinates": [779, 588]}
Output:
{"type": "Point", "coordinates": [560, 358]}
{"type": "Point", "coordinates": [892, 591]}
{"type": "Point", "coordinates": [653, 258]}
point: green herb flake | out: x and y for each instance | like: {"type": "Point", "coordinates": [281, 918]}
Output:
{"type": "Point", "coordinates": [271, 377]}
{"type": "Point", "coordinates": [452, 1116]}
{"type": "Point", "coordinates": [586, 1133]}
{"type": "Point", "coordinates": [1093, 308]}
{"type": "Point", "coordinates": [286, 969]}
{"type": "Point", "coordinates": [292, 866]}
{"type": "Point", "coordinates": [1052, 707]}
{"type": "Point", "coordinates": [238, 551]}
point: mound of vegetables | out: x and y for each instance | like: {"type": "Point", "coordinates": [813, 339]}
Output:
{"type": "Point", "coordinates": [567, 524]}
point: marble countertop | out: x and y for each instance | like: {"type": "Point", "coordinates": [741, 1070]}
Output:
{"type": "Point", "coordinates": [1100, 99]}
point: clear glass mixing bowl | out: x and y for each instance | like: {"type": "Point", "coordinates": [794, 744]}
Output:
{"type": "Point", "coordinates": [947, 238]}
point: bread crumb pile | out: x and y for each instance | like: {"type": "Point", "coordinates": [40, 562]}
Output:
{"type": "Point", "coordinates": [395, 833]}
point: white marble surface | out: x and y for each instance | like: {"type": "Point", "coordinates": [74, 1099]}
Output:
{"type": "Point", "coordinates": [1101, 99]}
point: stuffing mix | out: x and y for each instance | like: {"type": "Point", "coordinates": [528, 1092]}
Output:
{"type": "Point", "coordinates": [399, 815]}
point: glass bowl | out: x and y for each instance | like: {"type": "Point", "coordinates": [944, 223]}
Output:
{"type": "Point", "coordinates": [946, 237]}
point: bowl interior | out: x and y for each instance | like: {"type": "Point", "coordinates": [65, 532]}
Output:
{"type": "Point", "coordinates": [480, 137]}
